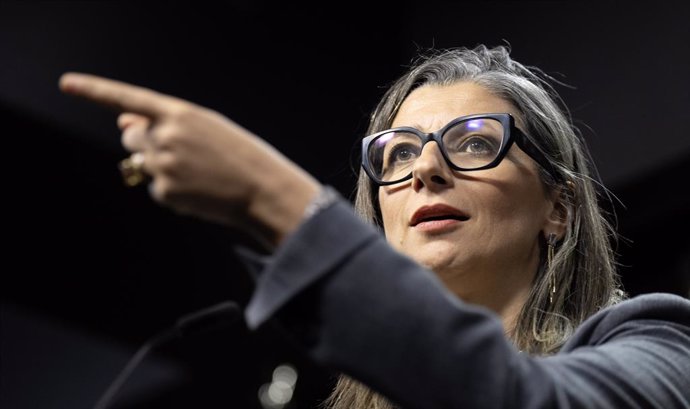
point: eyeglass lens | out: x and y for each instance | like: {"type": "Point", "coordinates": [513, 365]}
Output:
{"type": "Point", "coordinates": [468, 145]}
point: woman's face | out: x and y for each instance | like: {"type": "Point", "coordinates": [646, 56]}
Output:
{"type": "Point", "coordinates": [485, 243]}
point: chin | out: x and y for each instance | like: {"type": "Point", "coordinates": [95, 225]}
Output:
{"type": "Point", "coordinates": [442, 265]}
{"type": "Point", "coordinates": [434, 254]}
{"type": "Point", "coordinates": [450, 267]}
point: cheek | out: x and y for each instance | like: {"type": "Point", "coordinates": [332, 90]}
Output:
{"type": "Point", "coordinates": [516, 207]}
{"type": "Point", "coordinates": [391, 207]}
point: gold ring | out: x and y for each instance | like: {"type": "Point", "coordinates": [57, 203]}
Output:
{"type": "Point", "coordinates": [132, 169]}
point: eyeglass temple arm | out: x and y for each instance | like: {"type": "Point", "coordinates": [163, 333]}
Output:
{"type": "Point", "coordinates": [535, 153]}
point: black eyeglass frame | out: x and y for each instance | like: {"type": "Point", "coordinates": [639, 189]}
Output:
{"type": "Point", "coordinates": [511, 134]}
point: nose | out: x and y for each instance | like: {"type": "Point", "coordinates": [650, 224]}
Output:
{"type": "Point", "coordinates": [430, 170]}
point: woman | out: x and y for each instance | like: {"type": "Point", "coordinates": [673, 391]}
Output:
{"type": "Point", "coordinates": [541, 302]}
{"type": "Point", "coordinates": [482, 181]}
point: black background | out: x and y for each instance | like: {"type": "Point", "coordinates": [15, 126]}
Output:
{"type": "Point", "coordinates": [94, 269]}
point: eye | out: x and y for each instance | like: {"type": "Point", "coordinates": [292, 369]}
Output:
{"type": "Point", "coordinates": [477, 145]}
{"type": "Point", "coordinates": [402, 153]}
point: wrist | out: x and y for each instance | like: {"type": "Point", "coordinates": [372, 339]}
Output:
{"type": "Point", "coordinates": [326, 197]}
{"type": "Point", "coordinates": [281, 205]}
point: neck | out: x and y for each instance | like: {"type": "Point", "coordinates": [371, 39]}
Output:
{"type": "Point", "coordinates": [504, 297]}
{"type": "Point", "coordinates": [507, 305]}
{"type": "Point", "coordinates": [511, 312]}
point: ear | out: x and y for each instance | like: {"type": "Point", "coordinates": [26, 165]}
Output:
{"type": "Point", "coordinates": [560, 210]}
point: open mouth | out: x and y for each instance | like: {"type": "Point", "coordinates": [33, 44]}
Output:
{"type": "Point", "coordinates": [438, 212]}
{"type": "Point", "coordinates": [442, 217]}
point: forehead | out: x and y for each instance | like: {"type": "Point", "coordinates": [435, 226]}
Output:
{"type": "Point", "coordinates": [430, 107]}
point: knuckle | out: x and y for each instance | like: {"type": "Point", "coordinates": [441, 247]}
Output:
{"type": "Point", "coordinates": [123, 120]}
{"type": "Point", "coordinates": [166, 136]}
{"type": "Point", "coordinates": [161, 190]}
{"type": "Point", "coordinates": [168, 164]}
{"type": "Point", "coordinates": [130, 139]}
{"type": "Point", "coordinates": [186, 113]}
{"type": "Point", "coordinates": [180, 111]}
{"type": "Point", "coordinates": [128, 143]}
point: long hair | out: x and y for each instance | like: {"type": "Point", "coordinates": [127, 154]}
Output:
{"type": "Point", "coordinates": [583, 267]}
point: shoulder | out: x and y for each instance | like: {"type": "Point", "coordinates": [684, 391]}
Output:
{"type": "Point", "coordinates": [655, 314]}
{"type": "Point", "coordinates": [650, 306]}
{"type": "Point", "coordinates": [632, 354]}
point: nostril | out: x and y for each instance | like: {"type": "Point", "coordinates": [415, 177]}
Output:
{"type": "Point", "coordinates": [438, 179]}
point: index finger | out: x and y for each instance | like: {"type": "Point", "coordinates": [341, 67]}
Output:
{"type": "Point", "coordinates": [122, 96]}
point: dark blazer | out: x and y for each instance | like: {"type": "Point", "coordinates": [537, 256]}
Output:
{"type": "Point", "coordinates": [358, 306]}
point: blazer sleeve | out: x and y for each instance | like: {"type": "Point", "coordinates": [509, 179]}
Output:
{"type": "Point", "coordinates": [357, 306]}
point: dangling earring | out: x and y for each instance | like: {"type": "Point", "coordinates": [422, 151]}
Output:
{"type": "Point", "coordinates": [551, 247]}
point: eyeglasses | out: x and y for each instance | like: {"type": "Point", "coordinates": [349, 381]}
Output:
{"type": "Point", "coordinates": [467, 143]}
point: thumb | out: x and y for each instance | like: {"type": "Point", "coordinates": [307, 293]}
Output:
{"type": "Point", "coordinates": [127, 119]}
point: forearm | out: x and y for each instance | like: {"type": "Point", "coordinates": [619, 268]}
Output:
{"type": "Point", "coordinates": [283, 191]}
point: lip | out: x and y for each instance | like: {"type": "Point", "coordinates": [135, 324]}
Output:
{"type": "Point", "coordinates": [437, 216]}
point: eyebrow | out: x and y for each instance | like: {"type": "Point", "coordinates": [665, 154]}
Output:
{"type": "Point", "coordinates": [418, 127]}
